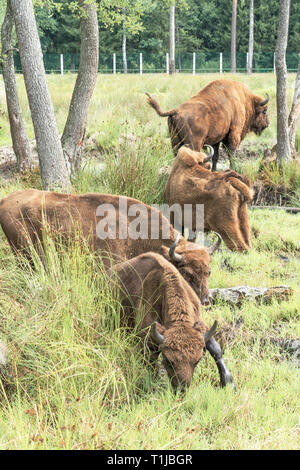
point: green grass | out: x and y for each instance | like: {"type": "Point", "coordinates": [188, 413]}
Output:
{"type": "Point", "coordinates": [76, 379]}
{"type": "Point", "coordinates": [119, 103]}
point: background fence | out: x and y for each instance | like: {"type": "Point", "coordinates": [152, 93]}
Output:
{"type": "Point", "coordinates": [186, 62]}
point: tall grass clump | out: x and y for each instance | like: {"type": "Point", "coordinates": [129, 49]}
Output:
{"type": "Point", "coordinates": [136, 170]}
{"type": "Point", "coordinates": [60, 319]}
{"type": "Point", "coordinates": [248, 168]}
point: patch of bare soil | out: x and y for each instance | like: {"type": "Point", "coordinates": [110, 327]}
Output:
{"type": "Point", "coordinates": [8, 162]}
{"type": "Point", "coordinates": [266, 194]}
{"type": "Point", "coordinates": [245, 151]}
{"type": "Point", "coordinates": [8, 170]}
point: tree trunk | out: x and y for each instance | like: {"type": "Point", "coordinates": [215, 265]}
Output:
{"type": "Point", "coordinates": [233, 36]}
{"type": "Point", "coordinates": [172, 39]}
{"type": "Point", "coordinates": [74, 131]}
{"type": "Point", "coordinates": [19, 137]}
{"type": "Point", "coordinates": [125, 68]}
{"type": "Point", "coordinates": [295, 111]}
{"type": "Point", "coordinates": [251, 36]}
{"type": "Point", "coordinates": [178, 48]}
{"type": "Point", "coordinates": [53, 168]}
{"type": "Point", "coordinates": [283, 143]}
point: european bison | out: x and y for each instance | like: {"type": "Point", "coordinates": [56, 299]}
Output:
{"type": "Point", "coordinates": [223, 111]}
{"type": "Point", "coordinates": [109, 224]}
{"type": "Point", "coordinates": [224, 195]}
{"type": "Point", "coordinates": [150, 284]}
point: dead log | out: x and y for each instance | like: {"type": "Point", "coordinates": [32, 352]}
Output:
{"type": "Point", "coordinates": [293, 210]}
{"type": "Point", "coordinates": [235, 295]}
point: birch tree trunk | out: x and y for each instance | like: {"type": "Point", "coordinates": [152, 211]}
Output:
{"type": "Point", "coordinates": [74, 131]}
{"type": "Point", "coordinates": [283, 143]}
{"type": "Point", "coordinates": [172, 39]}
{"type": "Point", "coordinates": [233, 36]}
{"type": "Point", "coordinates": [251, 37]}
{"type": "Point", "coordinates": [124, 51]}
{"type": "Point", "coordinates": [53, 168]}
{"type": "Point", "coordinates": [295, 111]}
{"type": "Point", "coordinates": [19, 137]}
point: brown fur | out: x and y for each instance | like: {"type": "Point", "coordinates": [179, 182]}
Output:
{"type": "Point", "coordinates": [150, 284]}
{"type": "Point", "coordinates": [22, 214]}
{"type": "Point", "coordinates": [224, 194]}
{"type": "Point", "coordinates": [223, 111]}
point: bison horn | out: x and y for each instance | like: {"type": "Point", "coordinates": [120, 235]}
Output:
{"type": "Point", "coordinates": [216, 245]}
{"type": "Point", "coordinates": [265, 101]}
{"type": "Point", "coordinates": [211, 332]}
{"type": "Point", "coordinates": [172, 253]}
{"type": "Point", "coordinates": [155, 335]}
{"type": "Point", "coordinates": [210, 155]}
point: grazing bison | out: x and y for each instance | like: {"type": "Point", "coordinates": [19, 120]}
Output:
{"type": "Point", "coordinates": [224, 195]}
{"type": "Point", "coordinates": [152, 285]}
{"type": "Point", "coordinates": [223, 111]}
{"type": "Point", "coordinates": [108, 224]}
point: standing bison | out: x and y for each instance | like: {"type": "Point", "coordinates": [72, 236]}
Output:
{"type": "Point", "coordinates": [223, 111]}
{"type": "Point", "coordinates": [224, 195]}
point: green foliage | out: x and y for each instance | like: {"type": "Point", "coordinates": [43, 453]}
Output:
{"type": "Point", "coordinates": [204, 25]}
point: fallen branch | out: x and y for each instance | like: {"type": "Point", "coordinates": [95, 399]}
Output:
{"type": "Point", "coordinates": [293, 210]}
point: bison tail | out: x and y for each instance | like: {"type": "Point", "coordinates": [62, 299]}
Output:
{"type": "Point", "coordinates": [244, 190]}
{"type": "Point", "coordinates": [158, 109]}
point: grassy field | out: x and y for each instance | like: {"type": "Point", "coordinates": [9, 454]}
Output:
{"type": "Point", "coordinates": [75, 379]}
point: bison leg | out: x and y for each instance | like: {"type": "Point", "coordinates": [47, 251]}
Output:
{"type": "Point", "coordinates": [214, 349]}
{"type": "Point", "coordinates": [233, 142]}
{"type": "Point", "coordinates": [215, 157]}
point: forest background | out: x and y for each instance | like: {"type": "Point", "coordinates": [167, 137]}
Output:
{"type": "Point", "coordinates": [200, 26]}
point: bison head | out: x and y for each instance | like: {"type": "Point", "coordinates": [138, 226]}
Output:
{"type": "Point", "coordinates": [190, 158]}
{"type": "Point", "coordinates": [182, 348]}
{"type": "Point", "coordinates": [260, 120]}
{"type": "Point", "coordinates": [194, 265]}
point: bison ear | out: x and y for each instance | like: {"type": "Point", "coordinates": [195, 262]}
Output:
{"type": "Point", "coordinates": [188, 156]}
{"type": "Point", "coordinates": [200, 326]}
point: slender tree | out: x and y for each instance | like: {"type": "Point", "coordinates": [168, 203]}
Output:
{"type": "Point", "coordinates": [17, 129]}
{"type": "Point", "coordinates": [295, 111]}
{"type": "Point", "coordinates": [124, 51]}
{"type": "Point", "coordinates": [172, 38]}
{"type": "Point", "coordinates": [233, 36]}
{"type": "Point", "coordinates": [283, 143]}
{"type": "Point", "coordinates": [74, 131]}
{"type": "Point", "coordinates": [251, 37]}
{"type": "Point", "coordinates": [52, 164]}
{"type": "Point", "coordinates": [178, 46]}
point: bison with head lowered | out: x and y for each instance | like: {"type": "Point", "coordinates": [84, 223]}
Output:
{"type": "Point", "coordinates": [223, 196]}
{"type": "Point", "coordinates": [155, 297]}
{"type": "Point", "coordinates": [109, 224]}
